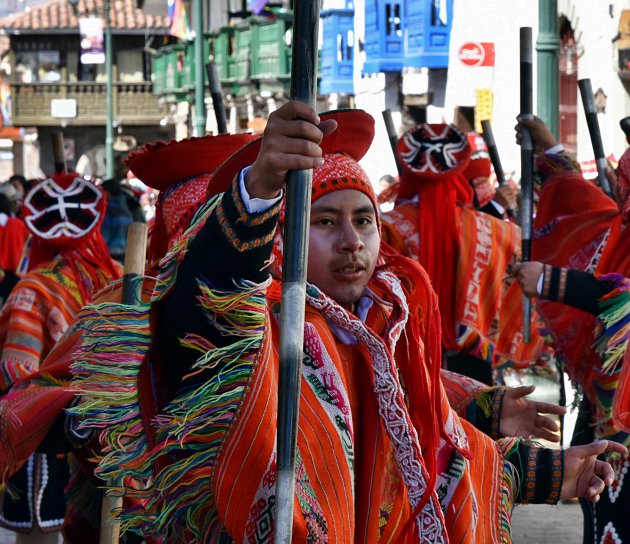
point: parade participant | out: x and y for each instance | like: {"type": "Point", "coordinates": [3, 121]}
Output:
{"type": "Point", "coordinates": [68, 264]}
{"type": "Point", "coordinates": [584, 289]}
{"type": "Point", "coordinates": [193, 414]}
{"type": "Point", "coordinates": [464, 251]}
{"type": "Point", "coordinates": [13, 237]}
{"type": "Point", "coordinates": [182, 190]}
{"type": "Point", "coordinates": [495, 201]}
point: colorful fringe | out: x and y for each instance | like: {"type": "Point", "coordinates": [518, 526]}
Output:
{"type": "Point", "coordinates": [191, 428]}
{"type": "Point", "coordinates": [472, 343]}
{"type": "Point", "coordinates": [170, 263]}
{"type": "Point", "coordinates": [115, 342]}
{"type": "Point", "coordinates": [509, 484]}
{"type": "Point", "coordinates": [612, 342]}
{"type": "Point", "coordinates": [197, 421]}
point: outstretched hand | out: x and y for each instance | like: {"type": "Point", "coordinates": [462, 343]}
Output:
{"type": "Point", "coordinates": [290, 142]}
{"type": "Point", "coordinates": [586, 476]}
{"type": "Point", "coordinates": [521, 416]}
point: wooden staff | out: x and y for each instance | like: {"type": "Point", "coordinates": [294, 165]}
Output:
{"type": "Point", "coordinates": [588, 101]}
{"type": "Point", "coordinates": [59, 156]}
{"type": "Point", "coordinates": [527, 165]}
{"type": "Point", "coordinates": [135, 255]}
{"type": "Point", "coordinates": [217, 97]}
{"type": "Point", "coordinates": [298, 212]}
{"type": "Point", "coordinates": [392, 135]}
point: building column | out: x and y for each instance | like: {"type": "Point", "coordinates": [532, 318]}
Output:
{"type": "Point", "coordinates": [200, 70]}
{"type": "Point", "coordinates": [548, 67]}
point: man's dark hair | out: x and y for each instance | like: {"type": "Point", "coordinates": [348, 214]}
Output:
{"type": "Point", "coordinates": [19, 178]}
{"type": "Point", "coordinates": [5, 204]}
{"type": "Point", "coordinates": [388, 178]}
{"type": "Point", "coordinates": [112, 186]}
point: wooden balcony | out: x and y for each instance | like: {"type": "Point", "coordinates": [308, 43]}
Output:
{"type": "Point", "coordinates": [134, 103]}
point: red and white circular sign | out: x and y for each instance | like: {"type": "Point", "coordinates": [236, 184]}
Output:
{"type": "Point", "coordinates": [476, 54]}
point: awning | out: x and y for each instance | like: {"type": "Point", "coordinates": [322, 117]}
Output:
{"type": "Point", "coordinates": [624, 30]}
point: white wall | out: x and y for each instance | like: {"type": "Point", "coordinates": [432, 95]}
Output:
{"type": "Point", "coordinates": [498, 22]}
{"type": "Point", "coordinates": [594, 29]}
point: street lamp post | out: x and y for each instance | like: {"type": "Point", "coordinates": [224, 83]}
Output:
{"type": "Point", "coordinates": [109, 95]}
{"type": "Point", "coordinates": [548, 49]}
{"type": "Point", "coordinates": [200, 106]}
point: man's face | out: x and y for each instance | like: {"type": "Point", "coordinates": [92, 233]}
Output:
{"type": "Point", "coordinates": [344, 242]}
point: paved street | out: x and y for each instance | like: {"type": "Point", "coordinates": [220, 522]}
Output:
{"type": "Point", "coordinates": [542, 524]}
{"type": "Point", "coordinates": [533, 524]}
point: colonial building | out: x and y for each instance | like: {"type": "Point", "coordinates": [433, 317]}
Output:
{"type": "Point", "coordinates": [51, 88]}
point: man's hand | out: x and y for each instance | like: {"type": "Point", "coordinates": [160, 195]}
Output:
{"type": "Point", "coordinates": [541, 136]}
{"type": "Point", "coordinates": [527, 274]}
{"type": "Point", "coordinates": [290, 142]}
{"type": "Point", "coordinates": [524, 417]}
{"type": "Point", "coordinates": [614, 187]}
{"type": "Point", "coordinates": [582, 470]}
{"type": "Point", "coordinates": [506, 195]}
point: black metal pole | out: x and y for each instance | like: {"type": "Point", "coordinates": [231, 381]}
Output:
{"type": "Point", "coordinates": [527, 165]}
{"type": "Point", "coordinates": [59, 156]}
{"type": "Point", "coordinates": [217, 97]}
{"type": "Point", "coordinates": [488, 136]}
{"type": "Point", "coordinates": [493, 151]}
{"type": "Point", "coordinates": [392, 135]}
{"type": "Point", "coordinates": [588, 101]}
{"type": "Point", "coordinates": [295, 258]}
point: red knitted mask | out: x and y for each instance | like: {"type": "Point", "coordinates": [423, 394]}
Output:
{"type": "Point", "coordinates": [64, 209]}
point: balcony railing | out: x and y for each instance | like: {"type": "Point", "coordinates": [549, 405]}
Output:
{"type": "Point", "coordinates": [134, 103]}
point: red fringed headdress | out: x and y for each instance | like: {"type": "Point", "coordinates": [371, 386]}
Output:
{"type": "Point", "coordinates": [64, 213]}
{"type": "Point", "coordinates": [434, 158]}
{"type": "Point", "coordinates": [181, 172]}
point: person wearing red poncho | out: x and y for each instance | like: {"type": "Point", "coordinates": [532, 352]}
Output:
{"type": "Point", "coordinates": [465, 252]}
{"type": "Point", "coordinates": [13, 237]}
{"type": "Point", "coordinates": [581, 278]}
{"type": "Point", "coordinates": [68, 263]}
{"type": "Point", "coordinates": [180, 171]}
{"type": "Point", "coordinates": [190, 425]}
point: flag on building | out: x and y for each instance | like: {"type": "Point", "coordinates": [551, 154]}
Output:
{"type": "Point", "coordinates": [258, 6]}
{"type": "Point", "coordinates": [589, 168]}
{"type": "Point", "coordinates": [179, 19]}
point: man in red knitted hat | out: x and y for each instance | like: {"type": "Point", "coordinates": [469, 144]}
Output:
{"type": "Point", "coordinates": [68, 263]}
{"type": "Point", "coordinates": [381, 455]}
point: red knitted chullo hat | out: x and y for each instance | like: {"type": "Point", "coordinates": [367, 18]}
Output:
{"type": "Point", "coordinates": [434, 158]}
{"type": "Point", "coordinates": [181, 170]}
{"type": "Point", "coordinates": [338, 172]}
{"type": "Point", "coordinates": [353, 137]}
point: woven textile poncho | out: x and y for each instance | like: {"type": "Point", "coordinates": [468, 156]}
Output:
{"type": "Point", "coordinates": [381, 455]}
